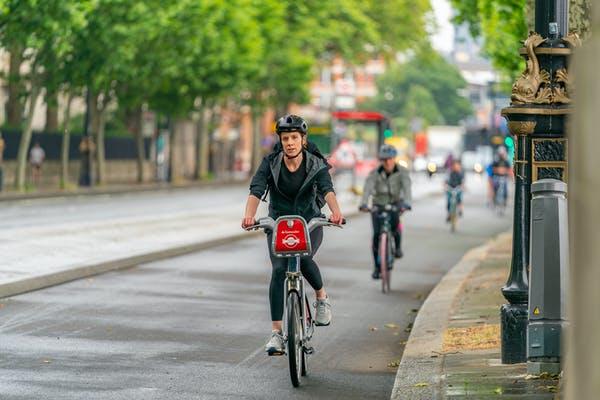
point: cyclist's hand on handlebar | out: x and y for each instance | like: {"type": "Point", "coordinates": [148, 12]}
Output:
{"type": "Point", "coordinates": [248, 222]}
{"type": "Point", "coordinates": [336, 218]}
{"type": "Point", "coordinates": [404, 207]}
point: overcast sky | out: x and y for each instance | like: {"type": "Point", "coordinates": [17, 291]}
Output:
{"type": "Point", "coordinates": [442, 39]}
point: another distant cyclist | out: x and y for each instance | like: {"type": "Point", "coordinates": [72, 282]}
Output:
{"type": "Point", "coordinates": [296, 175]}
{"type": "Point", "coordinates": [455, 180]}
{"type": "Point", "coordinates": [387, 184]}
{"type": "Point", "coordinates": [501, 170]}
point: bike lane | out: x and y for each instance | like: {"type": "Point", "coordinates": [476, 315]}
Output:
{"type": "Point", "coordinates": [193, 326]}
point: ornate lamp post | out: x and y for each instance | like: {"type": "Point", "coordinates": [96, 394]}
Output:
{"type": "Point", "coordinates": [540, 102]}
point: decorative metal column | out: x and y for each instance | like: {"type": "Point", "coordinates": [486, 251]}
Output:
{"type": "Point", "coordinates": [540, 102]}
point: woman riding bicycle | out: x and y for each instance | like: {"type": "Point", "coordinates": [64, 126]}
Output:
{"type": "Point", "coordinates": [296, 176]}
{"type": "Point", "coordinates": [387, 184]}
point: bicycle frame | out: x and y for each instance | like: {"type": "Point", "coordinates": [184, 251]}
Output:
{"type": "Point", "coordinates": [383, 214]}
{"type": "Point", "coordinates": [453, 203]}
{"type": "Point", "coordinates": [452, 206]}
{"type": "Point", "coordinates": [294, 282]}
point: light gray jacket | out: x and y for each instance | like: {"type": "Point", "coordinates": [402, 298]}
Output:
{"type": "Point", "coordinates": [388, 190]}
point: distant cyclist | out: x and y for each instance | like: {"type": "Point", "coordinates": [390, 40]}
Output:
{"type": "Point", "coordinates": [501, 170]}
{"type": "Point", "coordinates": [296, 175]}
{"type": "Point", "coordinates": [455, 180]}
{"type": "Point", "coordinates": [389, 183]}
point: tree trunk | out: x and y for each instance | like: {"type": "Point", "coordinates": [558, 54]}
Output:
{"type": "Point", "coordinates": [26, 139]}
{"type": "Point", "coordinates": [139, 144]}
{"type": "Point", "coordinates": [51, 112]}
{"type": "Point", "coordinates": [202, 144]}
{"type": "Point", "coordinates": [14, 104]}
{"type": "Point", "coordinates": [100, 148]}
{"type": "Point", "coordinates": [172, 144]}
{"type": "Point", "coordinates": [213, 145]}
{"type": "Point", "coordinates": [256, 141]}
{"type": "Point", "coordinates": [64, 154]}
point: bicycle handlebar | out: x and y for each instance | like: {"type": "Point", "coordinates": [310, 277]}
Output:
{"type": "Point", "coordinates": [387, 207]}
{"type": "Point", "coordinates": [269, 223]}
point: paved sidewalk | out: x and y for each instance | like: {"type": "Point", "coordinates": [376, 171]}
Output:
{"type": "Point", "coordinates": [50, 241]}
{"type": "Point", "coordinates": [454, 348]}
{"type": "Point", "coordinates": [47, 191]}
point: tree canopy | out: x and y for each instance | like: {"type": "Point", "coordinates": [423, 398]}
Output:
{"type": "Point", "coordinates": [504, 24]}
{"type": "Point", "coordinates": [426, 87]}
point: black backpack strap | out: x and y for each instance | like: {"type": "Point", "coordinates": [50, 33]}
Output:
{"type": "Point", "coordinates": [264, 198]}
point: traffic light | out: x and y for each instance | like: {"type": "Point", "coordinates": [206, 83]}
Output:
{"type": "Point", "coordinates": [387, 133]}
{"type": "Point", "coordinates": [509, 142]}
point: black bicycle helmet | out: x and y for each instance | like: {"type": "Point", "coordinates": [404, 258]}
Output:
{"type": "Point", "coordinates": [291, 123]}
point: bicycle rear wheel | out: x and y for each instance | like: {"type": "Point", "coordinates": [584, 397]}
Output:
{"type": "Point", "coordinates": [384, 272]}
{"type": "Point", "coordinates": [294, 337]}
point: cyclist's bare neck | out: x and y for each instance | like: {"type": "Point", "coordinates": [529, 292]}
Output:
{"type": "Point", "coordinates": [293, 162]}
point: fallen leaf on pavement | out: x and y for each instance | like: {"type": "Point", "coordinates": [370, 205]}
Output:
{"type": "Point", "coordinates": [394, 364]}
{"type": "Point", "coordinates": [46, 361]}
{"type": "Point", "coordinates": [391, 326]}
{"type": "Point", "coordinates": [421, 384]}
{"type": "Point", "coordinates": [472, 337]}
{"type": "Point", "coordinates": [498, 390]}
{"type": "Point", "coordinates": [543, 375]}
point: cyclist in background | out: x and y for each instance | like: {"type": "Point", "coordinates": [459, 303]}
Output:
{"type": "Point", "coordinates": [501, 168]}
{"type": "Point", "coordinates": [296, 175]}
{"type": "Point", "coordinates": [456, 179]}
{"type": "Point", "coordinates": [387, 184]}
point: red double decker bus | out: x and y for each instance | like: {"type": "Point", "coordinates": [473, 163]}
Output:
{"type": "Point", "coordinates": [356, 137]}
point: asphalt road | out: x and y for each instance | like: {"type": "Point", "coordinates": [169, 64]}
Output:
{"type": "Point", "coordinates": [193, 327]}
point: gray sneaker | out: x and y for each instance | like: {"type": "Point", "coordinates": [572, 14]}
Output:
{"type": "Point", "coordinates": [275, 345]}
{"type": "Point", "coordinates": [323, 315]}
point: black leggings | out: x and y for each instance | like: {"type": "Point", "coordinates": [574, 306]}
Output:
{"type": "Point", "coordinates": [309, 268]}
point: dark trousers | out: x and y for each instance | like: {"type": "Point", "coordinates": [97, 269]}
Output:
{"type": "Point", "coordinates": [309, 268]}
{"type": "Point", "coordinates": [394, 221]}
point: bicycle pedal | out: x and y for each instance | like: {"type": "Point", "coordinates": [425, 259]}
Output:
{"type": "Point", "coordinates": [309, 350]}
{"type": "Point", "coordinates": [276, 353]}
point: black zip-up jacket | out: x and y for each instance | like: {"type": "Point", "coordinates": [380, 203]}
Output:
{"type": "Point", "coordinates": [304, 203]}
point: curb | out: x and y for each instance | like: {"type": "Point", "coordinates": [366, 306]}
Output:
{"type": "Point", "coordinates": [417, 365]}
{"type": "Point", "coordinates": [57, 278]}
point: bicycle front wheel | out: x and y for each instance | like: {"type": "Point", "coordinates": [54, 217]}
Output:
{"type": "Point", "coordinates": [384, 272]}
{"type": "Point", "coordinates": [294, 337]}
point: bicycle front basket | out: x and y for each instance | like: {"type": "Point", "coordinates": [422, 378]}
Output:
{"type": "Point", "coordinates": [291, 237]}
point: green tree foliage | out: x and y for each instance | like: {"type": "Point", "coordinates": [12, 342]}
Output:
{"type": "Point", "coordinates": [40, 33]}
{"type": "Point", "coordinates": [503, 24]}
{"type": "Point", "coordinates": [426, 87]}
{"type": "Point", "coordinates": [401, 24]}
{"type": "Point", "coordinates": [178, 57]}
